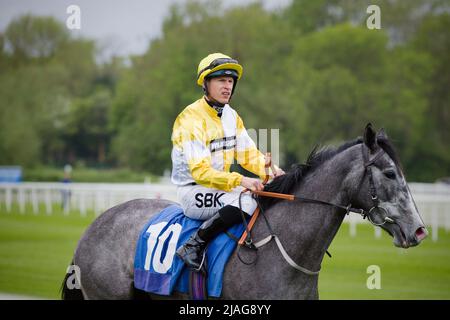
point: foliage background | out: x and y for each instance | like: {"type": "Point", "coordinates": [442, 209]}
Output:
{"type": "Point", "coordinates": [313, 70]}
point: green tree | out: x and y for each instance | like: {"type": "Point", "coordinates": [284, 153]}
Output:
{"type": "Point", "coordinates": [162, 82]}
{"type": "Point", "coordinates": [45, 70]}
{"type": "Point", "coordinates": [432, 40]}
{"type": "Point", "coordinates": [87, 126]}
{"type": "Point", "coordinates": [313, 70]}
{"type": "Point", "coordinates": [346, 84]}
{"type": "Point", "coordinates": [35, 39]}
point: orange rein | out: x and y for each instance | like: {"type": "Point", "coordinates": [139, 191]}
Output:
{"type": "Point", "coordinates": [255, 215]}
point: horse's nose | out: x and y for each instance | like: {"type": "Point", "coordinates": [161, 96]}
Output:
{"type": "Point", "coordinates": [421, 233]}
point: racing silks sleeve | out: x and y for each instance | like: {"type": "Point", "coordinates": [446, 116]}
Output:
{"type": "Point", "coordinates": [191, 137]}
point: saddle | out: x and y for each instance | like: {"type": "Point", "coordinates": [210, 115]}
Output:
{"type": "Point", "coordinates": [159, 271]}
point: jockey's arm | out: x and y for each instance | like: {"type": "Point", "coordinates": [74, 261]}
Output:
{"type": "Point", "coordinates": [204, 174]}
{"type": "Point", "coordinates": [190, 137]}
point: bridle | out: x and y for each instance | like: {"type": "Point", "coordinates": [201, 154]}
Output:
{"type": "Point", "coordinates": [368, 164]}
{"type": "Point", "coordinates": [376, 208]}
{"type": "Point", "coordinates": [372, 213]}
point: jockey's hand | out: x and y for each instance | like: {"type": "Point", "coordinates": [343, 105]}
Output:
{"type": "Point", "coordinates": [252, 184]}
{"type": "Point", "coordinates": [279, 172]}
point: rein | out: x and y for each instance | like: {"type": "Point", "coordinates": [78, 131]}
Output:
{"type": "Point", "coordinates": [292, 197]}
{"type": "Point", "coordinates": [248, 241]}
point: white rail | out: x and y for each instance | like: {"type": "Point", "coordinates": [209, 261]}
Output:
{"type": "Point", "coordinates": [79, 196]}
{"type": "Point", "coordinates": [433, 200]}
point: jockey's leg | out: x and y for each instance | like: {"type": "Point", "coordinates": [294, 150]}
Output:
{"type": "Point", "coordinates": [192, 252]}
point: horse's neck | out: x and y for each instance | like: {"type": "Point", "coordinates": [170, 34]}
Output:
{"type": "Point", "coordinates": [308, 229]}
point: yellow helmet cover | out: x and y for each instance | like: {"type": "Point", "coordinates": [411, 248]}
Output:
{"type": "Point", "coordinates": [214, 62]}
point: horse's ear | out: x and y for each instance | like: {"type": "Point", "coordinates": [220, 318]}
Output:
{"type": "Point", "coordinates": [370, 137]}
{"type": "Point", "coordinates": [382, 134]}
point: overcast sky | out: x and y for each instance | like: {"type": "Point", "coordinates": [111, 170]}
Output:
{"type": "Point", "coordinates": [120, 26]}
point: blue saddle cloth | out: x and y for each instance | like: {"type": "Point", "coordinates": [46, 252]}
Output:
{"type": "Point", "coordinates": [158, 270]}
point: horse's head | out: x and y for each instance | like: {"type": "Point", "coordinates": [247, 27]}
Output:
{"type": "Point", "coordinates": [384, 194]}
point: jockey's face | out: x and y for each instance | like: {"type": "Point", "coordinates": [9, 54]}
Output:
{"type": "Point", "coordinates": [220, 88]}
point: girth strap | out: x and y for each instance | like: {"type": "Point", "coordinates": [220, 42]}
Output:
{"type": "Point", "coordinates": [285, 254]}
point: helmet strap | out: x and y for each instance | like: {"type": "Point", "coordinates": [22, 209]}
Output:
{"type": "Point", "coordinates": [205, 88]}
{"type": "Point", "coordinates": [234, 87]}
{"type": "Point", "coordinates": [216, 105]}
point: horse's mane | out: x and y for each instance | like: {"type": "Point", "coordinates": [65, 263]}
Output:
{"type": "Point", "coordinates": [287, 182]}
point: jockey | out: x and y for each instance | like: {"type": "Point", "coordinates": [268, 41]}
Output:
{"type": "Point", "coordinates": [207, 137]}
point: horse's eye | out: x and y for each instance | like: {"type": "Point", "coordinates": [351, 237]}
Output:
{"type": "Point", "coordinates": [390, 174]}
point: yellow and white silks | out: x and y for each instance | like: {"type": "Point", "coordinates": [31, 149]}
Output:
{"type": "Point", "coordinates": [204, 147]}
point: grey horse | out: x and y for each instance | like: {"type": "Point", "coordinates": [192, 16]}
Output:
{"type": "Point", "coordinates": [342, 175]}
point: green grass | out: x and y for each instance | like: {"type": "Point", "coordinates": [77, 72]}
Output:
{"type": "Point", "coordinates": [421, 272]}
{"type": "Point", "coordinates": [35, 251]}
